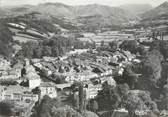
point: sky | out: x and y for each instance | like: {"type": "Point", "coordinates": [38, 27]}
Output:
{"type": "Point", "coordinates": [81, 2]}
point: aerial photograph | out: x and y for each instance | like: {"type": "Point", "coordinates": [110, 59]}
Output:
{"type": "Point", "coordinates": [83, 58]}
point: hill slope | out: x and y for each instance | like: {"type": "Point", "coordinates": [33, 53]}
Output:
{"type": "Point", "coordinates": [157, 15]}
{"type": "Point", "coordinates": [103, 14]}
{"type": "Point", "coordinates": [92, 13]}
{"type": "Point", "coordinates": [136, 9]}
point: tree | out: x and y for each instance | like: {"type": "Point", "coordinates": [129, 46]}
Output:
{"type": "Point", "coordinates": [6, 108]}
{"type": "Point", "coordinates": [155, 45]}
{"type": "Point", "coordinates": [94, 105]}
{"type": "Point", "coordinates": [139, 101]}
{"type": "Point", "coordinates": [47, 51]}
{"type": "Point", "coordinates": [108, 98]}
{"type": "Point", "coordinates": [161, 46]}
{"type": "Point", "coordinates": [28, 49]}
{"type": "Point", "coordinates": [152, 64]}
{"type": "Point", "coordinates": [23, 72]}
{"type": "Point", "coordinates": [113, 45]}
{"type": "Point", "coordinates": [123, 90]}
{"type": "Point", "coordinates": [81, 98]}
{"type": "Point", "coordinates": [37, 91]}
{"type": "Point", "coordinates": [62, 50]}
{"type": "Point", "coordinates": [55, 51]}
{"type": "Point", "coordinates": [102, 43]}
{"type": "Point", "coordinates": [38, 52]}
{"type": "Point", "coordinates": [130, 45]}
{"type": "Point", "coordinates": [76, 100]}
{"type": "Point", "coordinates": [164, 48]}
{"type": "Point", "coordinates": [164, 98]}
{"type": "Point", "coordinates": [141, 50]}
{"type": "Point", "coordinates": [44, 108]}
{"type": "Point", "coordinates": [5, 49]}
{"type": "Point", "coordinates": [5, 40]}
{"type": "Point", "coordinates": [5, 33]}
{"type": "Point", "coordinates": [151, 73]}
{"type": "Point", "coordinates": [130, 77]}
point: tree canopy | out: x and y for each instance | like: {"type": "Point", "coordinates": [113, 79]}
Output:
{"type": "Point", "coordinates": [5, 40]}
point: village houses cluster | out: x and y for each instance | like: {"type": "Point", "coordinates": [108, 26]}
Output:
{"type": "Point", "coordinates": [35, 78]}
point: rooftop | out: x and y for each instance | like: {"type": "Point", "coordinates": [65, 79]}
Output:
{"type": "Point", "coordinates": [15, 89]}
{"type": "Point", "coordinates": [47, 84]}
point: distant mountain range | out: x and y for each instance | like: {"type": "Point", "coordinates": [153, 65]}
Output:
{"type": "Point", "coordinates": [136, 9]}
{"type": "Point", "coordinates": [156, 15]}
{"type": "Point", "coordinates": [93, 14]}
{"type": "Point", "coordinates": [89, 14]}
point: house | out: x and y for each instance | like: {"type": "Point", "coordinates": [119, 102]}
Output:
{"type": "Point", "coordinates": [106, 73]}
{"type": "Point", "coordinates": [30, 96]}
{"type": "Point", "coordinates": [120, 113]}
{"type": "Point", "coordinates": [92, 90]}
{"type": "Point", "coordinates": [164, 113]}
{"type": "Point", "coordinates": [4, 66]}
{"type": "Point", "coordinates": [15, 92]}
{"type": "Point", "coordinates": [81, 76]}
{"type": "Point", "coordinates": [22, 98]}
{"type": "Point", "coordinates": [18, 93]}
{"type": "Point", "coordinates": [34, 82]}
{"type": "Point", "coordinates": [32, 77]}
{"type": "Point", "coordinates": [120, 71]}
{"type": "Point", "coordinates": [10, 74]}
{"type": "Point", "coordinates": [4, 63]}
{"type": "Point", "coordinates": [15, 72]}
{"type": "Point", "coordinates": [110, 80]}
{"type": "Point", "coordinates": [63, 86]}
{"type": "Point", "coordinates": [48, 88]}
{"type": "Point", "coordinates": [35, 61]}
{"type": "Point", "coordinates": [49, 59]}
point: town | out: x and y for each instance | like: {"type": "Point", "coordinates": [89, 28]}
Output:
{"type": "Point", "coordinates": [48, 71]}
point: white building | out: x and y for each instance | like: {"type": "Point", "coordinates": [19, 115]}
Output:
{"type": "Point", "coordinates": [17, 93]}
{"type": "Point", "coordinates": [33, 78]}
{"type": "Point", "coordinates": [120, 113]}
{"type": "Point", "coordinates": [34, 82]}
{"type": "Point", "coordinates": [49, 89]}
{"type": "Point", "coordinates": [81, 76]}
{"type": "Point", "coordinates": [92, 90]}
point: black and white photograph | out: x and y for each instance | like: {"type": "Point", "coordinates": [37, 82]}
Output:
{"type": "Point", "coordinates": [83, 58]}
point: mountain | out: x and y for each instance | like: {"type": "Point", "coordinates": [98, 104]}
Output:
{"type": "Point", "coordinates": [88, 14]}
{"type": "Point", "coordinates": [12, 11]}
{"type": "Point", "coordinates": [2, 13]}
{"type": "Point", "coordinates": [136, 9]}
{"type": "Point", "coordinates": [157, 15]}
{"type": "Point", "coordinates": [54, 9]}
{"type": "Point", "coordinates": [102, 15]}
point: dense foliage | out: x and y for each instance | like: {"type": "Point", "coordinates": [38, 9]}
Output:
{"type": "Point", "coordinates": [6, 108]}
{"type": "Point", "coordinates": [130, 46]}
{"type": "Point", "coordinates": [57, 46]}
{"type": "Point", "coordinates": [139, 101]}
{"type": "Point", "coordinates": [5, 40]}
{"type": "Point", "coordinates": [52, 108]}
{"type": "Point", "coordinates": [32, 20]}
{"type": "Point", "coordinates": [111, 98]}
